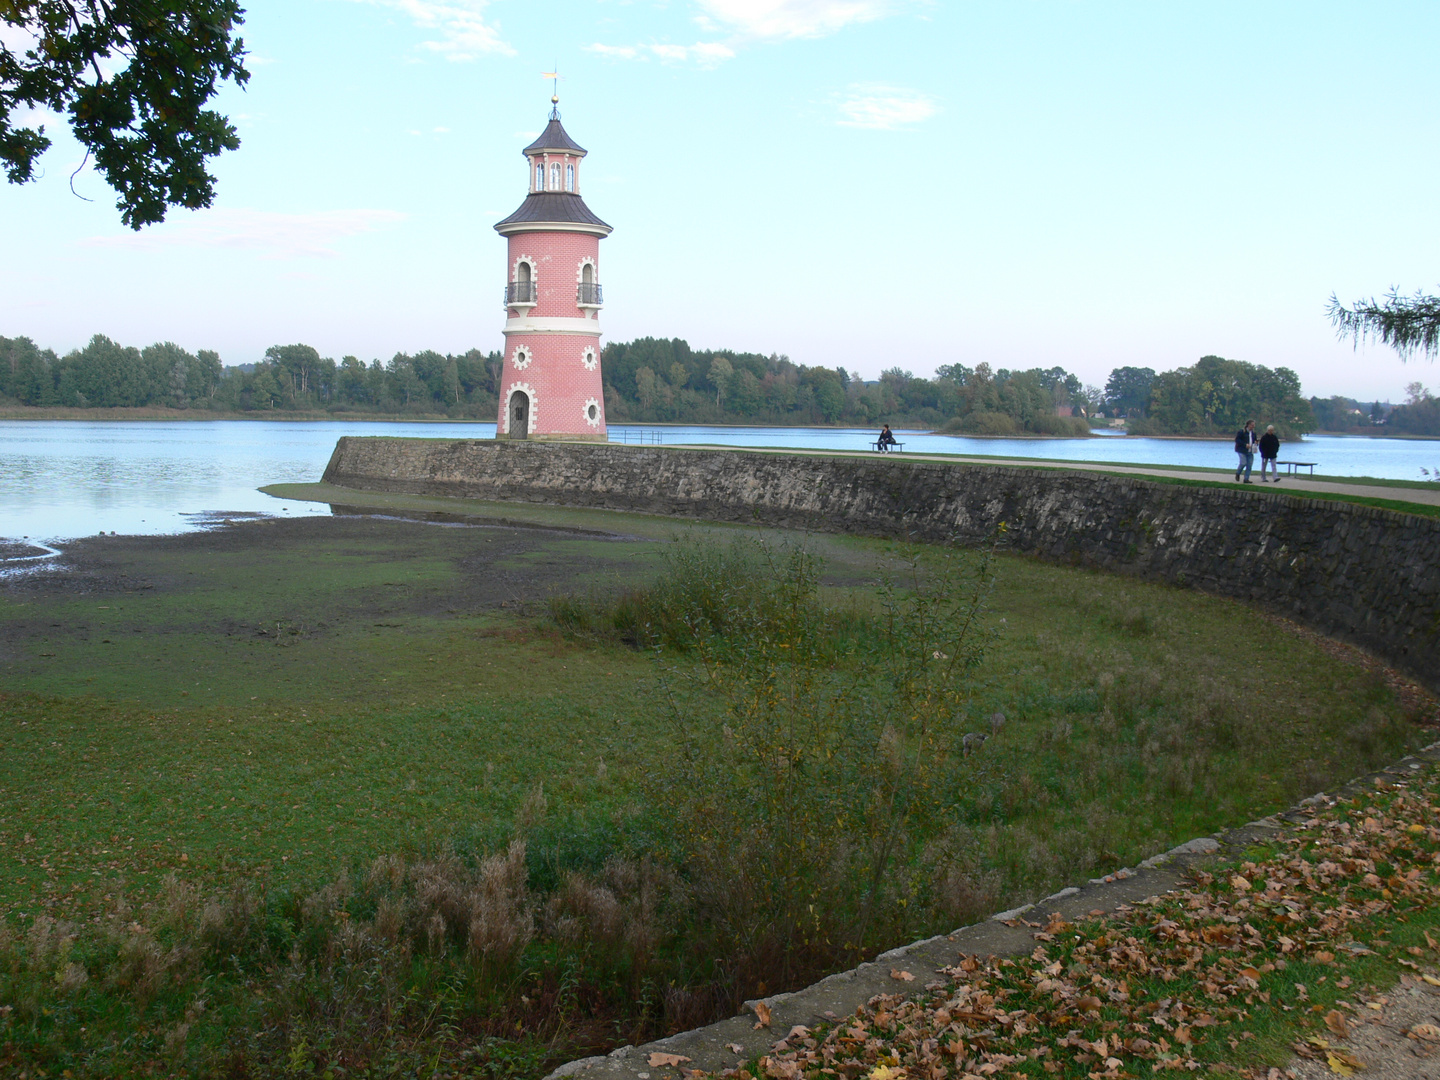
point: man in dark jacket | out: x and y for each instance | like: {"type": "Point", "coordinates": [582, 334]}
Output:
{"type": "Point", "coordinates": [1269, 451]}
{"type": "Point", "coordinates": [1245, 448]}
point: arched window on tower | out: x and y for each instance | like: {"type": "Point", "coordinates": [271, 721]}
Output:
{"type": "Point", "coordinates": [588, 294]}
{"type": "Point", "coordinates": [555, 176]}
{"type": "Point", "coordinates": [539, 177]}
{"type": "Point", "coordinates": [522, 289]}
{"type": "Point", "coordinates": [569, 177]}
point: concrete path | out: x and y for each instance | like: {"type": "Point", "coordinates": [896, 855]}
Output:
{"type": "Point", "coordinates": [1429, 496]}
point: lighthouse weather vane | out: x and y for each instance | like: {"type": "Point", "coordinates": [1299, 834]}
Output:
{"type": "Point", "coordinates": [554, 92]}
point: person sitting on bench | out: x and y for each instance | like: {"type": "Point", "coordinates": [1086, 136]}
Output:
{"type": "Point", "coordinates": [886, 439]}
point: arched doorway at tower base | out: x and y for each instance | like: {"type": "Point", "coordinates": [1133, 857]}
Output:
{"type": "Point", "coordinates": [519, 415]}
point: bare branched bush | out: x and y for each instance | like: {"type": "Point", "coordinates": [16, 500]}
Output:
{"type": "Point", "coordinates": [321, 906]}
{"type": "Point", "coordinates": [48, 940]}
{"type": "Point", "coordinates": [583, 910]}
{"type": "Point", "coordinates": [226, 922]}
{"type": "Point", "coordinates": [141, 965]}
{"type": "Point", "coordinates": [502, 921]}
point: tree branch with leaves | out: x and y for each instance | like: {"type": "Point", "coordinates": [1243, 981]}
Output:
{"type": "Point", "coordinates": [1408, 324]}
{"type": "Point", "coordinates": [132, 78]}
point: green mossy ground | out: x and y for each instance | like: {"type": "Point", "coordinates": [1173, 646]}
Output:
{"type": "Point", "coordinates": [279, 701]}
{"type": "Point", "coordinates": [283, 697]}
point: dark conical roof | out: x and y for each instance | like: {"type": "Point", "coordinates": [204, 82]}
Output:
{"type": "Point", "coordinates": [554, 138]}
{"type": "Point", "coordinates": [558, 207]}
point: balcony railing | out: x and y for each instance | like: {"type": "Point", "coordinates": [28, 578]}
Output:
{"type": "Point", "coordinates": [520, 292]}
{"type": "Point", "coordinates": [589, 294]}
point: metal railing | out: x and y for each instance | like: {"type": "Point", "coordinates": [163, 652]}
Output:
{"type": "Point", "coordinates": [635, 435]}
{"type": "Point", "coordinates": [520, 292]}
{"type": "Point", "coordinates": [589, 294]}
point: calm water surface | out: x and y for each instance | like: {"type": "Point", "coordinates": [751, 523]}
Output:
{"type": "Point", "coordinates": [63, 478]}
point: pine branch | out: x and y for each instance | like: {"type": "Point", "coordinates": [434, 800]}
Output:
{"type": "Point", "coordinates": [1408, 324]}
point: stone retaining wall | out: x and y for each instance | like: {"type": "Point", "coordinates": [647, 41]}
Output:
{"type": "Point", "coordinates": [1358, 573]}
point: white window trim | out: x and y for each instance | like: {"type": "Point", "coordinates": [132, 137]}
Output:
{"type": "Point", "coordinates": [589, 358]}
{"type": "Point", "coordinates": [593, 421]}
{"type": "Point", "coordinates": [522, 357]}
{"type": "Point", "coordinates": [587, 260]}
{"type": "Point", "coordinates": [534, 265]}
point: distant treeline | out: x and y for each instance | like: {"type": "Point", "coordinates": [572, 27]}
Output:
{"type": "Point", "coordinates": [290, 378]}
{"type": "Point", "coordinates": [1419, 415]}
{"type": "Point", "coordinates": [657, 380]}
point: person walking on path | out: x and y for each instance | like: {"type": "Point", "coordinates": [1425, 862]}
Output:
{"type": "Point", "coordinates": [1269, 451]}
{"type": "Point", "coordinates": [1245, 448]}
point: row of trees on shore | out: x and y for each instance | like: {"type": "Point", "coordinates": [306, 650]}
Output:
{"type": "Point", "coordinates": [290, 378]}
{"type": "Point", "coordinates": [657, 380]}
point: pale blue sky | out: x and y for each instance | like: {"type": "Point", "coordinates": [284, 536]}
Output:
{"type": "Point", "coordinates": [861, 183]}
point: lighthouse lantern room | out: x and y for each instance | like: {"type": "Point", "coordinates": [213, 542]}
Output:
{"type": "Point", "coordinates": [550, 386]}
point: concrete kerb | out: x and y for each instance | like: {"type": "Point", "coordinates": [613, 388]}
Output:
{"type": "Point", "coordinates": [1007, 933]}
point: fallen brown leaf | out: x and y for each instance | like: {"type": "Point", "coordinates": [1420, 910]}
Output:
{"type": "Point", "coordinates": [1336, 1023]}
{"type": "Point", "coordinates": [762, 1014]}
{"type": "Point", "coordinates": [1428, 1032]}
{"type": "Point", "coordinates": [903, 976]}
{"type": "Point", "coordinates": [658, 1060]}
{"type": "Point", "coordinates": [1343, 1063]}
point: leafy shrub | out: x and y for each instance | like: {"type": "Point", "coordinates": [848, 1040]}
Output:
{"type": "Point", "coordinates": [802, 797]}
{"type": "Point", "coordinates": [1069, 426]}
{"type": "Point", "coordinates": [989, 423]}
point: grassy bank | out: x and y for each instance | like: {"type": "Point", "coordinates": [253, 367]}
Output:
{"type": "Point", "coordinates": [247, 771]}
{"type": "Point", "coordinates": [1289, 953]}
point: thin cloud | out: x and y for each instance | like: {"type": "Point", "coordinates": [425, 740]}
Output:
{"type": "Point", "coordinates": [743, 21]}
{"type": "Point", "coordinates": [703, 53]}
{"type": "Point", "coordinates": [884, 108]}
{"type": "Point", "coordinates": [463, 33]}
{"type": "Point", "coordinates": [782, 19]}
{"type": "Point", "coordinates": [274, 235]}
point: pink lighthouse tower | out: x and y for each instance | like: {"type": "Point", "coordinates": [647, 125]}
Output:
{"type": "Point", "coordinates": [550, 386]}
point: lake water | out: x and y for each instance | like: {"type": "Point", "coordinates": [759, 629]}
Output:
{"type": "Point", "coordinates": [64, 478]}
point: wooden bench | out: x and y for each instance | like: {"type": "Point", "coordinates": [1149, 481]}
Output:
{"type": "Point", "coordinates": [1291, 466]}
{"type": "Point", "coordinates": [886, 447]}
